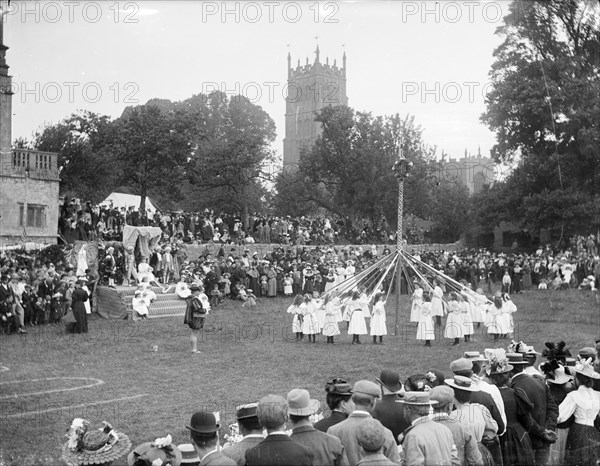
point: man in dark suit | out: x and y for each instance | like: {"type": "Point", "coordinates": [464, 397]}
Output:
{"type": "Point", "coordinates": [339, 393]}
{"type": "Point", "coordinates": [326, 450]}
{"type": "Point", "coordinates": [250, 428]}
{"type": "Point", "coordinates": [205, 438]}
{"type": "Point", "coordinates": [387, 411]}
{"type": "Point", "coordinates": [545, 411]}
{"type": "Point", "coordinates": [277, 448]}
{"type": "Point", "coordinates": [365, 395]}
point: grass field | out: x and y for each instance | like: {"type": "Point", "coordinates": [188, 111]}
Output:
{"type": "Point", "coordinates": [113, 373]}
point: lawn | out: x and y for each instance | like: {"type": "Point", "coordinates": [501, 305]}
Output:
{"type": "Point", "coordinates": [114, 374]}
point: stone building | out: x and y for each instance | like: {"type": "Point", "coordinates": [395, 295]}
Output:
{"type": "Point", "coordinates": [310, 88]}
{"type": "Point", "coordinates": [29, 181]}
{"type": "Point", "coordinates": [472, 171]}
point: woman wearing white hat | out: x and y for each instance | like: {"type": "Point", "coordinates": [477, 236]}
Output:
{"type": "Point", "coordinates": [583, 440]}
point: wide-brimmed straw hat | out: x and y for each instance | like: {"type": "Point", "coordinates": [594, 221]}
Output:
{"type": "Point", "coordinates": [98, 446]}
{"type": "Point", "coordinates": [462, 383]}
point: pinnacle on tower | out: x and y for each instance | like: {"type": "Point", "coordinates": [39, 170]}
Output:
{"type": "Point", "coordinates": [317, 54]}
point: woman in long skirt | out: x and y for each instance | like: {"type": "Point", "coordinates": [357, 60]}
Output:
{"type": "Point", "coordinates": [310, 326]}
{"type": "Point", "coordinates": [357, 325]}
{"type": "Point", "coordinates": [454, 323]}
{"type": "Point", "coordinates": [330, 326]}
{"type": "Point", "coordinates": [583, 440]}
{"type": "Point", "coordinates": [296, 311]}
{"type": "Point", "coordinates": [271, 283]}
{"type": "Point", "coordinates": [79, 299]}
{"type": "Point", "coordinates": [425, 327]}
{"type": "Point", "coordinates": [559, 384]}
{"type": "Point", "coordinates": [378, 327]}
{"type": "Point", "coordinates": [515, 444]}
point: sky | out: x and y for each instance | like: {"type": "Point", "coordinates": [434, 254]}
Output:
{"type": "Point", "coordinates": [427, 59]}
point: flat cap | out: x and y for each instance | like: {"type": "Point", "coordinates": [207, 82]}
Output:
{"type": "Point", "coordinates": [366, 387]}
{"type": "Point", "coordinates": [371, 435]}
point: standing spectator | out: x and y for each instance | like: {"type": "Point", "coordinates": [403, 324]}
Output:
{"type": "Point", "coordinates": [79, 298]}
{"type": "Point", "coordinates": [277, 448]}
{"type": "Point", "coordinates": [364, 395]}
{"type": "Point", "coordinates": [388, 411]}
{"type": "Point", "coordinates": [326, 449]}
{"type": "Point", "coordinates": [204, 433]}
{"type": "Point", "coordinates": [250, 428]}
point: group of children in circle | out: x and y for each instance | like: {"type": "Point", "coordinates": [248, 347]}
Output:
{"type": "Point", "coordinates": [313, 315]}
{"type": "Point", "coordinates": [463, 310]}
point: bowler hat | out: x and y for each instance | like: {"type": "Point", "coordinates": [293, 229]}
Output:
{"type": "Point", "coordinates": [300, 403]}
{"type": "Point", "coordinates": [203, 422]}
{"type": "Point", "coordinates": [390, 379]}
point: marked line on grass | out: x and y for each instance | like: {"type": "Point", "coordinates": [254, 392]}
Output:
{"type": "Point", "coordinates": [82, 405]}
{"type": "Point", "coordinates": [13, 396]}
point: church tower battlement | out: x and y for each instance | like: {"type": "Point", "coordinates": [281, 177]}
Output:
{"type": "Point", "coordinates": [310, 87]}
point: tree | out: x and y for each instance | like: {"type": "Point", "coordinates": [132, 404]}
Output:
{"type": "Point", "coordinates": [544, 106]}
{"type": "Point", "coordinates": [348, 170]}
{"type": "Point", "coordinates": [231, 153]}
{"type": "Point", "coordinates": [84, 162]}
{"type": "Point", "coordinates": [152, 147]}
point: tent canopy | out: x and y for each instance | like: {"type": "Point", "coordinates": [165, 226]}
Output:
{"type": "Point", "coordinates": [128, 200]}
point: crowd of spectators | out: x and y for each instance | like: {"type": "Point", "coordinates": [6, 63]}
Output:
{"type": "Point", "coordinates": [499, 406]}
{"type": "Point", "coordinates": [85, 221]}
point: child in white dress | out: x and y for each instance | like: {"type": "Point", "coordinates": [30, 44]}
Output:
{"type": "Point", "coordinates": [465, 315]}
{"type": "Point", "coordinates": [356, 312]}
{"type": "Point", "coordinates": [425, 328]}
{"type": "Point", "coordinates": [330, 326]}
{"type": "Point", "coordinates": [310, 326]}
{"type": "Point", "coordinates": [417, 302]}
{"type": "Point", "coordinates": [296, 311]}
{"type": "Point", "coordinates": [454, 327]}
{"type": "Point", "coordinates": [378, 327]}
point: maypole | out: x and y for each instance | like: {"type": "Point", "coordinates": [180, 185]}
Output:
{"type": "Point", "coordinates": [400, 169]}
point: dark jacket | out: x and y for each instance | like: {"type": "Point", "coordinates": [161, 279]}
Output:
{"type": "Point", "coordinates": [276, 450]}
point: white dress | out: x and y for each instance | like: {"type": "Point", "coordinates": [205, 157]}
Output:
{"type": "Point", "coordinates": [319, 313]}
{"type": "Point", "coordinates": [340, 275]}
{"type": "Point", "coordinates": [287, 286]}
{"type": "Point", "coordinates": [310, 325]}
{"type": "Point", "coordinates": [140, 306]}
{"type": "Point", "coordinates": [296, 312]}
{"type": "Point", "coordinates": [437, 306]}
{"type": "Point", "coordinates": [145, 271]}
{"type": "Point", "coordinates": [378, 327]}
{"type": "Point", "coordinates": [425, 328]}
{"type": "Point", "coordinates": [454, 323]}
{"type": "Point", "coordinates": [496, 320]}
{"type": "Point", "coordinates": [357, 325]}
{"type": "Point", "coordinates": [330, 326]}
{"type": "Point", "coordinates": [182, 290]}
{"type": "Point", "coordinates": [478, 309]}
{"type": "Point", "coordinates": [417, 302]}
{"type": "Point", "coordinates": [466, 320]}
{"type": "Point", "coordinates": [338, 309]}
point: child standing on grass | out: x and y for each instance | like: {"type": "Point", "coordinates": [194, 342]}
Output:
{"type": "Point", "coordinates": [378, 327]}
{"type": "Point", "coordinates": [296, 310]}
{"type": "Point", "coordinates": [310, 326]}
{"type": "Point", "coordinates": [319, 310]}
{"type": "Point", "coordinates": [465, 315]}
{"type": "Point", "coordinates": [264, 286]}
{"type": "Point", "coordinates": [47, 309]}
{"type": "Point", "coordinates": [250, 299]}
{"type": "Point", "coordinates": [332, 309]}
{"type": "Point", "coordinates": [287, 285]}
{"type": "Point", "coordinates": [226, 284]}
{"type": "Point", "coordinates": [454, 328]}
{"type": "Point", "coordinates": [215, 295]}
{"type": "Point", "coordinates": [356, 313]}
{"type": "Point", "coordinates": [38, 309]}
{"type": "Point", "coordinates": [425, 327]}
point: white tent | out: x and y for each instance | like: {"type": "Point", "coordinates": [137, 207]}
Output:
{"type": "Point", "coordinates": [128, 200]}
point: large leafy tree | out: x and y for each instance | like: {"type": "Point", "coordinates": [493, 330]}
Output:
{"type": "Point", "coordinates": [231, 155]}
{"type": "Point", "coordinates": [85, 164]}
{"type": "Point", "coordinates": [348, 170]}
{"type": "Point", "coordinates": [152, 147]}
{"type": "Point", "coordinates": [544, 106]}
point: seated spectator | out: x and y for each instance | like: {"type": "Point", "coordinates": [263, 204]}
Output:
{"type": "Point", "coordinates": [140, 306]}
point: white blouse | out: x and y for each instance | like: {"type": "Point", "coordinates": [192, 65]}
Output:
{"type": "Point", "coordinates": [584, 402]}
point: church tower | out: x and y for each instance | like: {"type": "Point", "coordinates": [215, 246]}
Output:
{"type": "Point", "coordinates": [310, 88]}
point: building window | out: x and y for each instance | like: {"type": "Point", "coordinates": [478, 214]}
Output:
{"type": "Point", "coordinates": [35, 217]}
